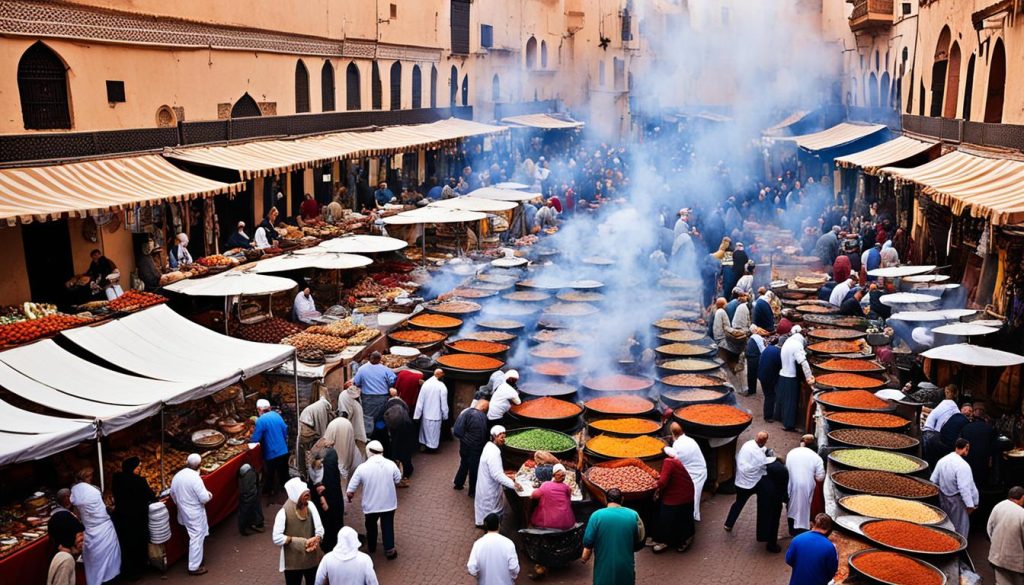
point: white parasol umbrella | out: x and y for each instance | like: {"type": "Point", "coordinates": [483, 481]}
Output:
{"type": "Point", "coordinates": [339, 261]}
{"type": "Point", "coordinates": [433, 215]}
{"type": "Point", "coordinates": [927, 278]}
{"type": "Point", "coordinates": [232, 283]}
{"type": "Point", "coordinates": [469, 203]}
{"type": "Point", "coordinates": [974, 355]}
{"type": "Point", "coordinates": [900, 271]}
{"type": "Point", "coordinates": [925, 316]}
{"type": "Point", "coordinates": [503, 194]}
{"type": "Point", "coordinates": [511, 186]}
{"type": "Point", "coordinates": [966, 329]}
{"type": "Point", "coordinates": [894, 299]}
{"type": "Point", "coordinates": [362, 244]}
{"type": "Point", "coordinates": [323, 261]}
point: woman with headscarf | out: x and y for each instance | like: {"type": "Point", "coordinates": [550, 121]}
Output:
{"type": "Point", "coordinates": [327, 492]}
{"type": "Point", "coordinates": [341, 434]}
{"type": "Point", "coordinates": [298, 531]}
{"type": "Point", "coordinates": [345, 564]}
{"type": "Point", "coordinates": [132, 497]}
{"type": "Point", "coordinates": [179, 252]}
{"type": "Point", "coordinates": [841, 268]}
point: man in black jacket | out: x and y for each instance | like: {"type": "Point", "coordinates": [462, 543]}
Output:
{"type": "Point", "coordinates": [472, 432]}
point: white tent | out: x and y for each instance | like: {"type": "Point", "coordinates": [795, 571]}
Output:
{"type": "Point", "coordinates": [323, 261]}
{"type": "Point", "coordinates": [503, 194]}
{"type": "Point", "coordinates": [433, 215]}
{"type": "Point", "coordinates": [973, 355]}
{"type": "Point", "coordinates": [360, 244]}
{"type": "Point", "coordinates": [469, 203]}
{"type": "Point", "coordinates": [231, 283]}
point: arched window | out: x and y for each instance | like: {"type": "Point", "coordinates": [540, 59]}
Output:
{"type": "Point", "coordinates": [43, 87]}
{"type": "Point", "coordinates": [453, 87]}
{"type": "Point", "coordinates": [878, 59]}
{"type": "Point", "coordinates": [245, 107]}
{"type": "Point", "coordinates": [327, 87]}
{"type": "Point", "coordinates": [495, 88]}
{"type": "Point", "coordinates": [353, 97]}
{"type": "Point", "coordinates": [376, 89]}
{"type": "Point", "coordinates": [969, 88]}
{"type": "Point", "coordinates": [939, 68]}
{"type": "Point", "coordinates": [952, 82]}
{"type": "Point", "coordinates": [531, 53]}
{"type": "Point", "coordinates": [883, 90]}
{"type": "Point", "coordinates": [465, 90]}
{"type": "Point", "coordinates": [301, 87]}
{"type": "Point", "coordinates": [396, 85]}
{"type": "Point", "coordinates": [433, 86]}
{"type": "Point", "coordinates": [543, 54]}
{"type": "Point", "coordinates": [872, 90]}
{"type": "Point", "coordinates": [417, 87]}
{"type": "Point", "coordinates": [996, 85]}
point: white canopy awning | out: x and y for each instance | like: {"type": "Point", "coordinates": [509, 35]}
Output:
{"type": "Point", "coordinates": [542, 121]}
{"type": "Point", "coordinates": [511, 185]}
{"type": "Point", "coordinates": [323, 260]}
{"type": "Point", "coordinates": [361, 244]}
{"type": "Point", "coordinates": [889, 153]}
{"type": "Point", "coordinates": [906, 298]}
{"type": "Point", "coordinates": [433, 215]}
{"type": "Point", "coordinates": [469, 203]}
{"type": "Point", "coordinates": [967, 329]}
{"type": "Point", "coordinates": [900, 271]}
{"type": "Point", "coordinates": [785, 123]}
{"type": "Point", "coordinates": [499, 194]}
{"type": "Point", "coordinates": [18, 447]}
{"type": "Point", "coordinates": [232, 283]}
{"type": "Point", "coordinates": [838, 135]}
{"type": "Point", "coordinates": [932, 316]}
{"type": "Point", "coordinates": [973, 355]}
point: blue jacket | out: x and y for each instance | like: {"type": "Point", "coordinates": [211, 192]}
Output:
{"type": "Point", "coordinates": [762, 315]}
{"type": "Point", "coordinates": [272, 432]}
{"type": "Point", "coordinates": [769, 366]}
{"type": "Point", "coordinates": [813, 558]}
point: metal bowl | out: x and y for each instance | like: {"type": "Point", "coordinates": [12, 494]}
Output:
{"type": "Point", "coordinates": [822, 399]}
{"type": "Point", "coordinates": [712, 431]}
{"type": "Point", "coordinates": [833, 424]}
{"type": "Point", "coordinates": [920, 463]}
{"type": "Point", "coordinates": [911, 447]}
{"type": "Point", "coordinates": [593, 413]}
{"type": "Point", "coordinates": [553, 389]}
{"type": "Point", "coordinates": [676, 397]}
{"type": "Point", "coordinates": [837, 478]}
{"type": "Point", "coordinates": [643, 385]}
{"type": "Point", "coordinates": [853, 564]}
{"type": "Point", "coordinates": [942, 517]}
{"type": "Point", "coordinates": [710, 366]}
{"type": "Point", "coordinates": [962, 542]}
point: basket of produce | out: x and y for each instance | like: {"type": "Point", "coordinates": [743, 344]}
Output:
{"type": "Point", "coordinates": [844, 321]}
{"type": "Point", "coordinates": [855, 366]}
{"type": "Point", "coordinates": [311, 357]}
{"type": "Point", "coordinates": [891, 568]}
{"type": "Point", "coordinates": [831, 333]}
{"type": "Point", "coordinates": [488, 348]}
{"type": "Point", "coordinates": [624, 427]}
{"type": "Point", "coordinates": [555, 351]}
{"type": "Point", "coordinates": [683, 397]}
{"type": "Point", "coordinates": [838, 346]}
{"type": "Point", "coordinates": [554, 369]}
{"type": "Point", "coordinates": [872, 439]}
{"type": "Point", "coordinates": [618, 407]}
{"type": "Point", "coordinates": [634, 478]}
{"type": "Point", "coordinates": [887, 508]}
{"type": "Point", "coordinates": [461, 308]}
{"type": "Point", "coordinates": [609, 447]}
{"type": "Point", "coordinates": [436, 322]}
{"type": "Point", "coordinates": [913, 538]}
{"type": "Point", "coordinates": [547, 412]}
{"type": "Point", "coordinates": [884, 483]}
{"type": "Point", "coordinates": [681, 336]}
{"type": "Point", "coordinates": [521, 444]}
{"type": "Point", "coordinates": [501, 325]}
{"type": "Point", "coordinates": [230, 426]}
{"type": "Point", "coordinates": [618, 384]}
{"type": "Point", "coordinates": [675, 366]}
{"type": "Point", "coordinates": [32, 329]}
{"type": "Point", "coordinates": [527, 296]}
{"type": "Point", "coordinates": [578, 296]}
{"type": "Point", "coordinates": [685, 350]}
{"type": "Point", "coordinates": [424, 340]}
{"type": "Point", "coordinates": [866, 420]}
{"type": "Point", "coordinates": [469, 364]}
{"type": "Point", "coordinates": [134, 300]}
{"type": "Point", "coordinates": [877, 460]}
{"type": "Point", "coordinates": [494, 336]}
{"type": "Point", "coordinates": [207, 439]}
{"type": "Point", "coordinates": [853, 400]}
{"type": "Point", "coordinates": [712, 421]}
{"type": "Point", "coordinates": [560, 336]}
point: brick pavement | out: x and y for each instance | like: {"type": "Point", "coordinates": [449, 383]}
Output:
{"type": "Point", "coordinates": [434, 533]}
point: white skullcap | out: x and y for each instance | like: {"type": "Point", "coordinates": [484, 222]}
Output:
{"type": "Point", "coordinates": [796, 329]}
{"type": "Point", "coordinates": [558, 467]}
{"type": "Point", "coordinates": [374, 447]}
{"type": "Point", "coordinates": [511, 374]}
{"type": "Point", "coordinates": [262, 403]}
{"type": "Point", "coordinates": [194, 460]}
{"type": "Point", "coordinates": [497, 430]}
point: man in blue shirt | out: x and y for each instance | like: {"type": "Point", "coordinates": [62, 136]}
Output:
{"type": "Point", "coordinates": [812, 555]}
{"type": "Point", "coordinates": [434, 194]}
{"type": "Point", "coordinates": [272, 433]}
{"type": "Point", "coordinates": [374, 380]}
{"type": "Point", "coordinates": [383, 195]}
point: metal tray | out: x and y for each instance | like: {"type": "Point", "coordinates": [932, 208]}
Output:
{"type": "Point", "coordinates": [853, 565]}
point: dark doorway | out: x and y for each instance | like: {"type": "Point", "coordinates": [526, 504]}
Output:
{"type": "Point", "coordinates": [952, 82]}
{"type": "Point", "coordinates": [231, 211]}
{"type": "Point", "coordinates": [396, 85]}
{"type": "Point", "coordinates": [323, 190]}
{"type": "Point", "coordinates": [453, 87]}
{"type": "Point", "coordinates": [939, 68]}
{"type": "Point", "coordinates": [353, 100]}
{"type": "Point", "coordinates": [417, 88]}
{"type": "Point", "coordinates": [43, 87]}
{"type": "Point", "coordinates": [376, 90]}
{"type": "Point", "coordinates": [48, 260]}
{"type": "Point", "coordinates": [245, 107]}
{"type": "Point", "coordinates": [301, 88]}
{"type": "Point", "coordinates": [433, 86]}
{"type": "Point", "coordinates": [465, 90]}
{"type": "Point", "coordinates": [969, 88]}
{"type": "Point", "coordinates": [298, 193]}
{"type": "Point", "coordinates": [996, 85]}
{"type": "Point", "coordinates": [271, 187]}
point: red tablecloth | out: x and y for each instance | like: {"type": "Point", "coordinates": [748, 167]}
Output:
{"type": "Point", "coordinates": [29, 565]}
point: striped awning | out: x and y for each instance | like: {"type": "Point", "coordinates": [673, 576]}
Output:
{"type": "Point", "coordinates": [87, 188]}
{"type": "Point", "coordinates": [274, 157]}
{"type": "Point", "coordinates": [785, 123]}
{"type": "Point", "coordinates": [888, 153]}
{"type": "Point", "coordinates": [542, 121]}
{"type": "Point", "coordinates": [991, 188]}
{"type": "Point", "coordinates": [838, 135]}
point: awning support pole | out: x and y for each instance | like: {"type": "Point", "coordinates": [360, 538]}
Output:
{"type": "Point", "coordinates": [163, 455]}
{"type": "Point", "coordinates": [99, 454]}
{"type": "Point", "coordinates": [299, 465]}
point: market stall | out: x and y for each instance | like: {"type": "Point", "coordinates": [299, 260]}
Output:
{"type": "Point", "coordinates": [424, 216]}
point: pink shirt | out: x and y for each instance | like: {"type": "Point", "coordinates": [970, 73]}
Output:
{"type": "Point", "coordinates": [554, 506]}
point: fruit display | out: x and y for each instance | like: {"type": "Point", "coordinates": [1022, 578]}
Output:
{"type": "Point", "coordinates": [30, 330]}
{"type": "Point", "coordinates": [134, 300]}
{"type": "Point", "coordinates": [217, 261]}
{"type": "Point", "coordinates": [26, 312]}
{"type": "Point", "coordinates": [325, 343]}
{"type": "Point", "coordinates": [271, 330]}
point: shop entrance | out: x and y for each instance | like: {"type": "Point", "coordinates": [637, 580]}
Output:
{"type": "Point", "coordinates": [48, 260]}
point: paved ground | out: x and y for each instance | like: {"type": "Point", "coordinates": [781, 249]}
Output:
{"type": "Point", "coordinates": [435, 533]}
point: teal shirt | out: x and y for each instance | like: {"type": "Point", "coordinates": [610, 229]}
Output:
{"type": "Point", "coordinates": [611, 534]}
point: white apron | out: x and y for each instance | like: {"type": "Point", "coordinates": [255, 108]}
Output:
{"type": "Point", "coordinates": [101, 553]}
{"type": "Point", "coordinates": [490, 498]}
{"type": "Point", "coordinates": [805, 469]}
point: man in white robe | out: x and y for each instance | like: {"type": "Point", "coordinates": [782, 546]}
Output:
{"type": "Point", "coordinates": [689, 454]}
{"type": "Point", "coordinates": [493, 559]}
{"type": "Point", "coordinates": [432, 409]}
{"type": "Point", "coordinates": [190, 496]}
{"type": "Point", "coordinates": [345, 564]}
{"type": "Point", "coordinates": [341, 433]}
{"type": "Point", "coordinates": [304, 307]}
{"type": "Point", "coordinates": [840, 291]}
{"type": "Point", "coordinates": [805, 471]}
{"type": "Point", "coordinates": [958, 496]}
{"type": "Point", "coordinates": [101, 552]}
{"type": "Point", "coordinates": [491, 478]}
